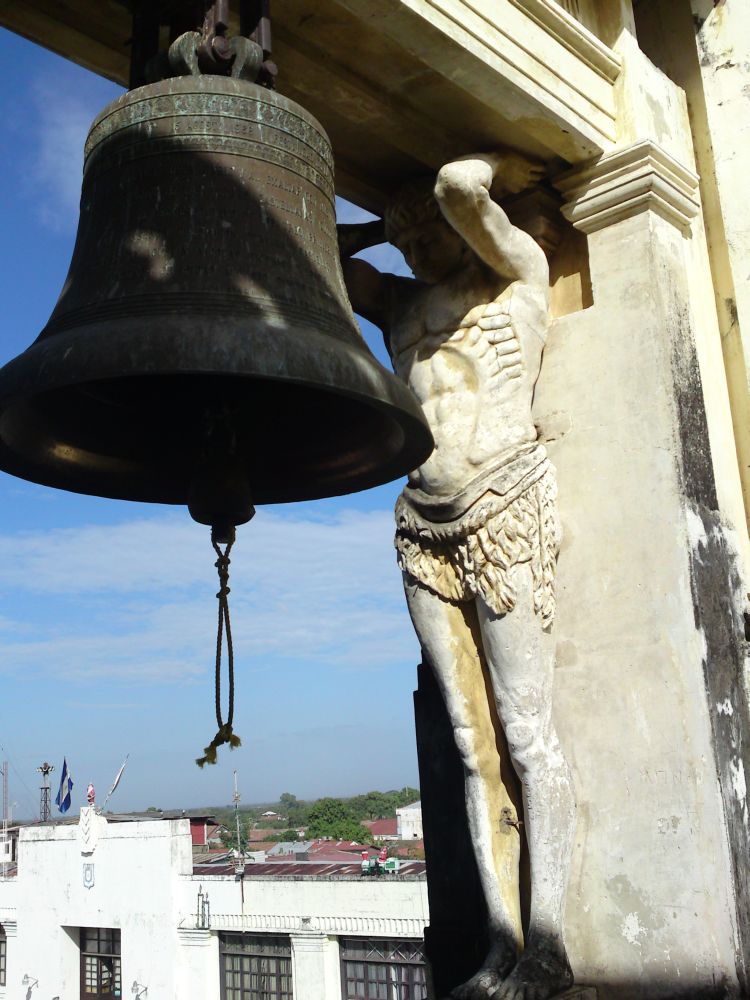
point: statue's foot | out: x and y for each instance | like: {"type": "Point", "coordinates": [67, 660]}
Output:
{"type": "Point", "coordinates": [542, 972]}
{"type": "Point", "coordinates": [495, 968]}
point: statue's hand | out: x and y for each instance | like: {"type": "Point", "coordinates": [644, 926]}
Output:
{"type": "Point", "coordinates": [515, 172]}
{"type": "Point", "coordinates": [356, 236]}
{"type": "Point", "coordinates": [507, 359]}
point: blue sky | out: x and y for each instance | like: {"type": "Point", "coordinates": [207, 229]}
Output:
{"type": "Point", "coordinates": [108, 609]}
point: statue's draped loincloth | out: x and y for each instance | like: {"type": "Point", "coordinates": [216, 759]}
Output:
{"type": "Point", "coordinates": [466, 546]}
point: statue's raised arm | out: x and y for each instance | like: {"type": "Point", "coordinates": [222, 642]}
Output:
{"type": "Point", "coordinates": [462, 191]}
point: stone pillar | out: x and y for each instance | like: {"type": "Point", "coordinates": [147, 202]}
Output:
{"type": "Point", "coordinates": [199, 976]}
{"type": "Point", "coordinates": [649, 700]}
{"type": "Point", "coordinates": [315, 966]}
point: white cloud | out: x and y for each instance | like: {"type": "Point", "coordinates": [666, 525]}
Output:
{"type": "Point", "coordinates": [59, 115]}
{"type": "Point", "coordinates": [303, 589]}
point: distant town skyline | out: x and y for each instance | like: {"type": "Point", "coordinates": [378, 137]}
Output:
{"type": "Point", "coordinates": [107, 609]}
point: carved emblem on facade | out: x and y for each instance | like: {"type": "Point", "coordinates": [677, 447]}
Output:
{"type": "Point", "coordinates": [88, 875]}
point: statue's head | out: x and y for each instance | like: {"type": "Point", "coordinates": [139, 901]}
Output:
{"type": "Point", "coordinates": [415, 224]}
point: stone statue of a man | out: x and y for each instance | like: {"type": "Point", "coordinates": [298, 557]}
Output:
{"type": "Point", "coordinates": [477, 528]}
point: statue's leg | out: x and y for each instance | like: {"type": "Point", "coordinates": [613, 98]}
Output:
{"type": "Point", "coordinates": [449, 635]}
{"type": "Point", "coordinates": [520, 656]}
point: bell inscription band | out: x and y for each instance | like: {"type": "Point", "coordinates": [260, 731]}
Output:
{"type": "Point", "coordinates": [203, 349]}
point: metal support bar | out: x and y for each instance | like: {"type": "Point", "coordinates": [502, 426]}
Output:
{"type": "Point", "coordinates": [145, 42]}
{"type": "Point", "coordinates": [255, 23]}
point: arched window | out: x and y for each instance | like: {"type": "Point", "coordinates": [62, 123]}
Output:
{"type": "Point", "coordinates": [3, 955]}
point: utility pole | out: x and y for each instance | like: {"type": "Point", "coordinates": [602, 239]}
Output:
{"type": "Point", "coordinates": [240, 867]}
{"type": "Point", "coordinates": [5, 850]}
{"type": "Point", "coordinates": [45, 808]}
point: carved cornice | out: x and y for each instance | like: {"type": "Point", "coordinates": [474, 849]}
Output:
{"type": "Point", "coordinates": [641, 178]}
{"type": "Point", "coordinates": [556, 23]}
{"type": "Point", "coordinates": [10, 927]}
{"type": "Point", "coordinates": [573, 35]}
{"type": "Point", "coordinates": [527, 60]}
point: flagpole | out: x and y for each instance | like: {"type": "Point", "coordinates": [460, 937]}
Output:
{"type": "Point", "coordinates": [115, 783]}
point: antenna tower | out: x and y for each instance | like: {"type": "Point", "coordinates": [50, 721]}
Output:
{"type": "Point", "coordinates": [240, 852]}
{"type": "Point", "coordinates": [45, 809]}
{"type": "Point", "coordinates": [5, 850]}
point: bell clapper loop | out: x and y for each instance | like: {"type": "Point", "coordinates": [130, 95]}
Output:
{"type": "Point", "coordinates": [223, 534]}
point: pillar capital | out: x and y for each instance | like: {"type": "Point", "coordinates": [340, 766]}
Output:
{"type": "Point", "coordinates": [309, 940]}
{"type": "Point", "coordinates": [640, 178]}
{"type": "Point", "coordinates": [194, 937]}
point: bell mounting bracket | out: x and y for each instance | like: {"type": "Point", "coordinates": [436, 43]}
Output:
{"type": "Point", "coordinates": [210, 51]}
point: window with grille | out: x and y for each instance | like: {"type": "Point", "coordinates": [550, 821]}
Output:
{"type": "Point", "coordinates": [3, 955]}
{"type": "Point", "coordinates": [101, 974]}
{"type": "Point", "coordinates": [256, 967]}
{"type": "Point", "coordinates": [382, 970]}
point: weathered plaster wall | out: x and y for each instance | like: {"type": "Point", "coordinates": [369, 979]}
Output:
{"type": "Point", "coordinates": [706, 50]}
{"type": "Point", "coordinates": [630, 694]}
{"type": "Point", "coordinates": [723, 39]}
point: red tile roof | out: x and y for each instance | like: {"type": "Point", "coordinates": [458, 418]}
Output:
{"type": "Point", "coordinates": [382, 827]}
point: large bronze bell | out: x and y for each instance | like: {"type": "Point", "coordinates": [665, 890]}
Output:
{"type": "Point", "coordinates": [203, 349]}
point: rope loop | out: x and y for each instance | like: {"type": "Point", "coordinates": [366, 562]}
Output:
{"type": "Point", "coordinates": [224, 733]}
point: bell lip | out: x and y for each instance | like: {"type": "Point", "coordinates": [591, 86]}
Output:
{"type": "Point", "coordinates": [70, 358]}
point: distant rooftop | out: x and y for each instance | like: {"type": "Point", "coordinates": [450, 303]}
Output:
{"type": "Point", "coordinates": [307, 869]}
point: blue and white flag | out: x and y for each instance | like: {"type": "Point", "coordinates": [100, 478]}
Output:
{"type": "Point", "coordinates": [66, 786]}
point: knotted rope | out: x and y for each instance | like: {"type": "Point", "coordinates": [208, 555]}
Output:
{"type": "Point", "coordinates": [224, 733]}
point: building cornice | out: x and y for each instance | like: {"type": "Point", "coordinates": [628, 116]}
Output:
{"type": "Point", "coordinates": [641, 178]}
{"type": "Point", "coordinates": [292, 924]}
{"type": "Point", "coordinates": [570, 33]}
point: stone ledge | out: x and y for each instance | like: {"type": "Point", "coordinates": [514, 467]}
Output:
{"type": "Point", "coordinates": [373, 926]}
{"type": "Point", "coordinates": [642, 177]}
{"type": "Point", "coordinates": [573, 35]}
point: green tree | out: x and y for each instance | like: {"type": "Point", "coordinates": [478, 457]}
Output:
{"type": "Point", "coordinates": [293, 809]}
{"type": "Point", "coordinates": [334, 818]}
{"type": "Point", "coordinates": [382, 805]}
{"type": "Point", "coordinates": [408, 795]}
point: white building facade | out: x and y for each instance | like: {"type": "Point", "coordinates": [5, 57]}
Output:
{"type": "Point", "coordinates": [109, 909]}
{"type": "Point", "coordinates": [409, 822]}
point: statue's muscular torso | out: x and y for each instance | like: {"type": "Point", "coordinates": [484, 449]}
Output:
{"type": "Point", "coordinates": [475, 386]}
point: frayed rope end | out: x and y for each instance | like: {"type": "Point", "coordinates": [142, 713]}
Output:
{"type": "Point", "coordinates": [224, 735]}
